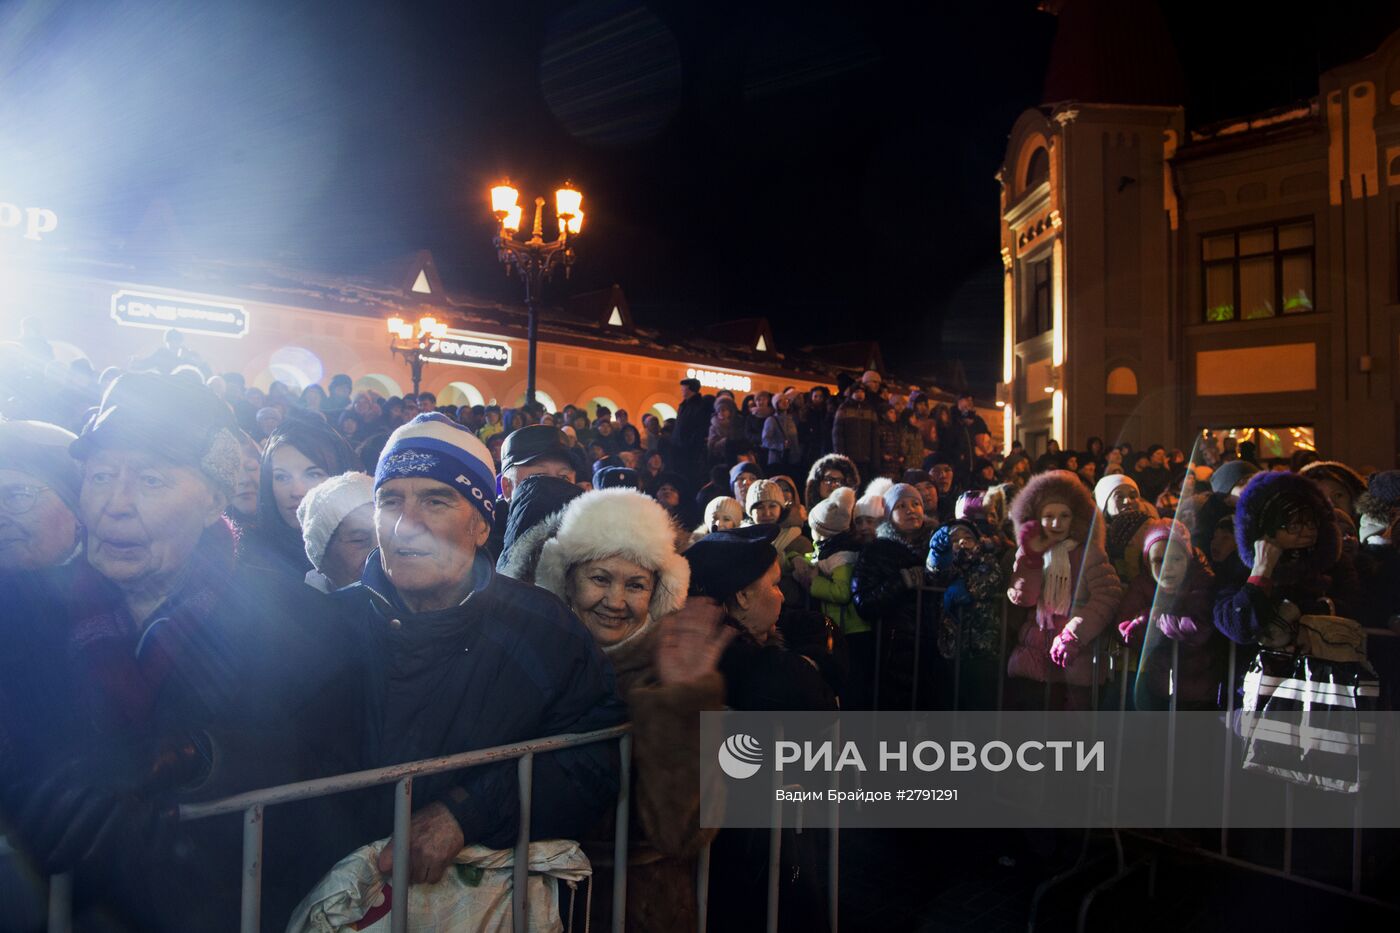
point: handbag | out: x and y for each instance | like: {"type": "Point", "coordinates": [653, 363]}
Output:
{"type": "Point", "coordinates": [1301, 716]}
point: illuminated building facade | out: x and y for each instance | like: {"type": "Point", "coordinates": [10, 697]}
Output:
{"type": "Point", "coordinates": [289, 325]}
{"type": "Point", "coordinates": [1242, 277]}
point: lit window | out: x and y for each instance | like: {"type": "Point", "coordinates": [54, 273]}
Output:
{"type": "Point", "coordinates": [1257, 273]}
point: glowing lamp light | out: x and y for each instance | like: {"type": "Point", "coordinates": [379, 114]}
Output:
{"type": "Point", "coordinates": [511, 221]}
{"type": "Point", "coordinates": [1001, 404]}
{"type": "Point", "coordinates": [427, 324]}
{"type": "Point", "coordinates": [504, 199]}
{"type": "Point", "coordinates": [440, 330]}
{"type": "Point", "coordinates": [568, 202]}
{"type": "Point", "coordinates": [405, 331]}
{"type": "Point", "coordinates": [573, 224]}
{"type": "Point", "coordinates": [1049, 390]}
{"type": "Point", "coordinates": [395, 325]}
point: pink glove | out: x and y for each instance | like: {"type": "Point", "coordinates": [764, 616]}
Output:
{"type": "Point", "coordinates": [1028, 536]}
{"type": "Point", "coordinates": [1132, 628]}
{"type": "Point", "coordinates": [1064, 649]}
{"type": "Point", "coordinates": [1182, 629]}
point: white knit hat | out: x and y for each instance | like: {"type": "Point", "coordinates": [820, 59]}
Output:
{"type": "Point", "coordinates": [1104, 488]}
{"type": "Point", "coordinates": [763, 490]}
{"type": "Point", "coordinates": [325, 507]}
{"type": "Point", "coordinates": [726, 505]}
{"type": "Point", "coordinates": [832, 515]}
{"type": "Point", "coordinates": [870, 506]}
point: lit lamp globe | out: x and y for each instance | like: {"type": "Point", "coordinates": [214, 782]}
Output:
{"type": "Point", "coordinates": [568, 205]}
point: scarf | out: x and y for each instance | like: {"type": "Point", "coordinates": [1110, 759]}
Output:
{"type": "Point", "coordinates": [1056, 590]}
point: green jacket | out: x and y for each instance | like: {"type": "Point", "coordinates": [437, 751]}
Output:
{"type": "Point", "coordinates": [832, 586]}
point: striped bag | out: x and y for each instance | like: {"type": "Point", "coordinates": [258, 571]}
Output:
{"type": "Point", "coordinates": [1302, 716]}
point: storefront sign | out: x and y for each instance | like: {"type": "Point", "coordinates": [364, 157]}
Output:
{"type": "Point", "coordinates": [464, 350]}
{"type": "Point", "coordinates": [192, 315]}
{"type": "Point", "coordinates": [31, 222]}
{"type": "Point", "coordinates": [716, 380]}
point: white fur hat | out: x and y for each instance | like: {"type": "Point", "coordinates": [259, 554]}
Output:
{"type": "Point", "coordinates": [325, 507]}
{"type": "Point", "coordinates": [617, 523]}
{"type": "Point", "coordinates": [870, 505]}
{"type": "Point", "coordinates": [878, 486]}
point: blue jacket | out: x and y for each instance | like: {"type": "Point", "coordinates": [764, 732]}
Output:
{"type": "Point", "coordinates": [509, 664]}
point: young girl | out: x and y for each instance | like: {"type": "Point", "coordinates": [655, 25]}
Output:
{"type": "Point", "coordinates": [1061, 570]}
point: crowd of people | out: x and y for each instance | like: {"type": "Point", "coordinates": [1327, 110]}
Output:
{"type": "Point", "coordinates": [211, 588]}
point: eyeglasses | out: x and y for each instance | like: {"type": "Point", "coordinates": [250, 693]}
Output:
{"type": "Point", "coordinates": [832, 480]}
{"type": "Point", "coordinates": [1300, 525]}
{"type": "Point", "coordinates": [16, 500]}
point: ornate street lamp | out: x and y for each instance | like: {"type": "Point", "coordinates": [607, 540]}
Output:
{"type": "Point", "coordinates": [534, 259]}
{"type": "Point", "coordinates": [411, 340]}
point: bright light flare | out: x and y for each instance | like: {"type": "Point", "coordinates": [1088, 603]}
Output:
{"type": "Point", "coordinates": [568, 202]}
{"type": "Point", "coordinates": [504, 197]}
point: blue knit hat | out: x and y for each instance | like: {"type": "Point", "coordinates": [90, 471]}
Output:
{"type": "Point", "coordinates": [900, 491]}
{"type": "Point", "coordinates": [432, 446]}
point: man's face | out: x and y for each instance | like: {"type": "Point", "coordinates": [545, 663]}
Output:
{"type": "Point", "coordinates": [547, 466]}
{"type": "Point", "coordinates": [426, 403]}
{"type": "Point", "coordinates": [349, 546]}
{"type": "Point", "coordinates": [604, 428]}
{"type": "Point", "coordinates": [1159, 458]}
{"type": "Point", "coordinates": [921, 408]}
{"type": "Point", "coordinates": [36, 528]}
{"type": "Point", "coordinates": [668, 495]}
{"type": "Point", "coordinates": [428, 536]}
{"type": "Point", "coordinates": [144, 516]}
{"type": "Point", "coordinates": [630, 458]}
{"type": "Point", "coordinates": [964, 405]}
{"type": "Point", "coordinates": [942, 475]}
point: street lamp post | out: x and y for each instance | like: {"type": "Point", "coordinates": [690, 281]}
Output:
{"type": "Point", "coordinates": [534, 259]}
{"type": "Point", "coordinates": [411, 341]}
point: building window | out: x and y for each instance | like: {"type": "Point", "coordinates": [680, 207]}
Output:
{"type": "Point", "coordinates": [1038, 169]}
{"type": "Point", "coordinates": [1259, 272]}
{"type": "Point", "coordinates": [1037, 313]}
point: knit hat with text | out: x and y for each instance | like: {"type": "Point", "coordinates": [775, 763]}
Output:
{"type": "Point", "coordinates": [431, 446]}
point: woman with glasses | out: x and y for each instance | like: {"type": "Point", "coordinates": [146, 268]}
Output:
{"type": "Point", "coordinates": [829, 474]}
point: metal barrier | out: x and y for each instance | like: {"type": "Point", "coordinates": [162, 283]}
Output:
{"type": "Point", "coordinates": [253, 804]}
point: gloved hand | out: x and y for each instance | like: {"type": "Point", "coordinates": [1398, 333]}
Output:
{"type": "Point", "coordinates": [1031, 539]}
{"type": "Point", "coordinates": [1064, 649]}
{"type": "Point", "coordinates": [1181, 628]}
{"type": "Point", "coordinates": [1132, 628]}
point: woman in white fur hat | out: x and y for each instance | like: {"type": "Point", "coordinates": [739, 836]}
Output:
{"type": "Point", "coordinates": [610, 554]}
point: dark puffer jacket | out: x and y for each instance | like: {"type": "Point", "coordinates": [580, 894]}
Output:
{"type": "Point", "coordinates": [1307, 578]}
{"type": "Point", "coordinates": [882, 597]}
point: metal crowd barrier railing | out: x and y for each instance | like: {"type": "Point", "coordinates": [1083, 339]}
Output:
{"type": "Point", "coordinates": [253, 803]}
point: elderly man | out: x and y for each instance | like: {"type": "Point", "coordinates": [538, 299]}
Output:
{"type": "Point", "coordinates": [456, 657]}
{"type": "Point", "coordinates": [534, 450]}
{"type": "Point", "coordinates": [154, 671]}
{"type": "Point", "coordinates": [38, 496]}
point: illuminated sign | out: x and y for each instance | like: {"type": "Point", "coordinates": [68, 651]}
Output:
{"type": "Point", "coordinates": [717, 380]}
{"type": "Point", "coordinates": [192, 315]}
{"type": "Point", "coordinates": [34, 221]}
{"type": "Point", "coordinates": [463, 350]}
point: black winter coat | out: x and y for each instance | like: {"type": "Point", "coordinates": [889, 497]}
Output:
{"type": "Point", "coordinates": [511, 663]}
{"type": "Point", "coordinates": [882, 598]}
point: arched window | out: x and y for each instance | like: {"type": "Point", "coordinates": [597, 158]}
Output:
{"type": "Point", "coordinates": [544, 398]}
{"type": "Point", "coordinates": [378, 383]}
{"type": "Point", "coordinates": [663, 411]}
{"type": "Point", "coordinates": [461, 393]}
{"type": "Point", "coordinates": [599, 400]}
{"type": "Point", "coordinates": [1122, 381]}
{"type": "Point", "coordinates": [1038, 169]}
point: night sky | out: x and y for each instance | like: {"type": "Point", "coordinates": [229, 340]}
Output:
{"type": "Point", "coordinates": [828, 165]}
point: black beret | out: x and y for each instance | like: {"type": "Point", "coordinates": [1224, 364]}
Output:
{"type": "Point", "coordinates": [724, 562]}
{"type": "Point", "coordinates": [617, 477]}
{"type": "Point", "coordinates": [531, 443]}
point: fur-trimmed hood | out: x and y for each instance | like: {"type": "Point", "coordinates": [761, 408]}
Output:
{"type": "Point", "coordinates": [831, 461]}
{"type": "Point", "coordinates": [1060, 486]}
{"type": "Point", "coordinates": [1262, 489]}
{"type": "Point", "coordinates": [612, 523]}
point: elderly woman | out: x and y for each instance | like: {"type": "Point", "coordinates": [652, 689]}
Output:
{"type": "Point", "coordinates": [160, 673]}
{"type": "Point", "coordinates": [38, 497]}
{"type": "Point", "coordinates": [300, 455]}
{"type": "Point", "coordinates": [242, 511]}
{"type": "Point", "coordinates": [610, 555]}
{"type": "Point", "coordinates": [739, 570]}
{"type": "Point", "coordinates": [337, 530]}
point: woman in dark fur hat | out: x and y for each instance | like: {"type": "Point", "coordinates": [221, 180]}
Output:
{"type": "Point", "coordinates": [1286, 534]}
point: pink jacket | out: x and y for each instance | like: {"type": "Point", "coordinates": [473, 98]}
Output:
{"type": "Point", "coordinates": [1097, 592]}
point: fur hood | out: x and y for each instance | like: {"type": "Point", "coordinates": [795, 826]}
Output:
{"type": "Point", "coordinates": [612, 523]}
{"type": "Point", "coordinates": [836, 461]}
{"type": "Point", "coordinates": [1060, 486]}
{"type": "Point", "coordinates": [1262, 489]}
